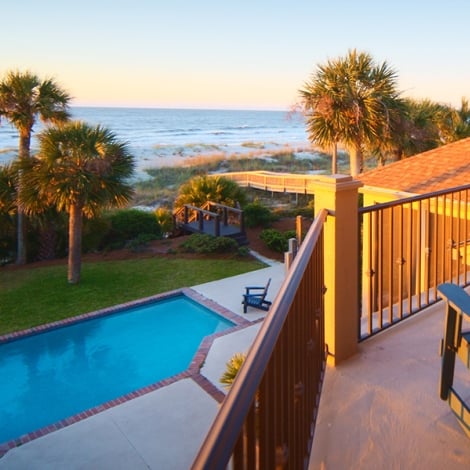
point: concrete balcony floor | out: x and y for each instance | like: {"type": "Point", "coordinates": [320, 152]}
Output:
{"type": "Point", "coordinates": [381, 409]}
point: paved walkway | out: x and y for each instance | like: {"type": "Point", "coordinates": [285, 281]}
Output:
{"type": "Point", "coordinates": [163, 429]}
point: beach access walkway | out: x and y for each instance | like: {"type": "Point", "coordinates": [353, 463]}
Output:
{"type": "Point", "coordinates": [274, 181]}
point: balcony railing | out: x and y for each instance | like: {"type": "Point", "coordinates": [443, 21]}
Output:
{"type": "Point", "coordinates": [267, 419]}
{"type": "Point", "coordinates": [408, 248]}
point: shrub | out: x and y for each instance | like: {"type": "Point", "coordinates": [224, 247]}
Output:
{"type": "Point", "coordinates": [201, 189]}
{"type": "Point", "coordinates": [132, 222]}
{"type": "Point", "coordinates": [257, 215]}
{"type": "Point", "coordinates": [204, 243]}
{"type": "Point", "coordinates": [243, 251]}
{"type": "Point", "coordinates": [231, 369]}
{"type": "Point", "coordinates": [128, 224]}
{"type": "Point", "coordinates": [276, 240]}
{"type": "Point", "coordinates": [7, 249]}
{"type": "Point", "coordinates": [94, 233]}
{"type": "Point", "coordinates": [140, 242]}
{"type": "Point", "coordinates": [165, 219]}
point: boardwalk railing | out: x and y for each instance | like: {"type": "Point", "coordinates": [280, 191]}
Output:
{"type": "Point", "coordinates": [271, 181]}
{"type": "Point", "coordinates": [409, 247]}
{"type": "Point", "coordinates": [229, 215]}
{"type": "Point", "coordinates": [267, 419]}
{"type": "Point", "coordinates": [211, 217]}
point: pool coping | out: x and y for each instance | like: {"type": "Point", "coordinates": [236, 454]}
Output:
{"type": "Point", "coordinates": [192, 372]}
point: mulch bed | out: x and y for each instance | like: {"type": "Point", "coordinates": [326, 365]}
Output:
{"type": "Point", "coordinates": [171, 245]}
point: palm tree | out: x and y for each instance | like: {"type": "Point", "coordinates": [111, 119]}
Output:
{"type": "Point", "coordinates": [462, 120]}
{"type": "Point", "coordinates": [23, 99]}
{"type": "Point", "coordinates": [79, 169]}
{"type": "Point", "coordinates": [8, 177]}
{"type": "Point", "coordinates": [8, 184]}
{"type": "Point", "coordinates": [426, 125]}
{"type": "Point", "coordinates": [201, 189]}
{"type": "Point", "coordinates": [350, 101]}
{"type": "Point", "coordinates": [321, 105]}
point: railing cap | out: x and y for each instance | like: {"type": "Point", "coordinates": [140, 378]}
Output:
{"type": "Point", "coordinates": [336, 182]}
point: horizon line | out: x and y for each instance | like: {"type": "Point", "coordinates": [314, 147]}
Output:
{"type": "Point", "coordinates": [182, 107]}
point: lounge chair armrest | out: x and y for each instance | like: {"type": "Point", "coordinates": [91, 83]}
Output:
{"type": "Point", "coordinates": [248, 289]}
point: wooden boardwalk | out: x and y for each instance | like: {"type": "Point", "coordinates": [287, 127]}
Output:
{"type": "Point", "coordinates": [212, 218]}
{"type": "Point", "coordinates": [209, 226]}
{"type": "Point", "coordinates": [264, 180]}
{"type": "Point", "coordinates": [276, 182]}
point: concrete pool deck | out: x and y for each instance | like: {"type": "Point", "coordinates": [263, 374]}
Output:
{"type": "Point", "coordinates": [161, 429]}
{"type": "Point", "coordinates": [380, 409]}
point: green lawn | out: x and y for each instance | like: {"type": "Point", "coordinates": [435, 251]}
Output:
{"type": "Point", "coordinates": [30, 297]}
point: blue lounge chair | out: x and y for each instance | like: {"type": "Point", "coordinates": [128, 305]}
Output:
{"type": "Point", "coordinates": [257, 300]}
{"type": "Point", "coordinates": [456, 343]}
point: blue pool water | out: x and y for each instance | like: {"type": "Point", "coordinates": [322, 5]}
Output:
{"type": "Point", "coordinates": [56, 374]}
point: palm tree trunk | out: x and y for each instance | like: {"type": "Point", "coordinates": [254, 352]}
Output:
{"type": "Point", "coordinates": [397, 154]}
{"type": "Point", "coordinates": [75, 244]}
{"type": "Point", "coordinates": [355, 160]}
{"type": "Point", "coordinates": [334, 159]}
{"type": "Point", "coordinates": [24, 145]}
{"type": "Point", "coordinates": [20, 237]}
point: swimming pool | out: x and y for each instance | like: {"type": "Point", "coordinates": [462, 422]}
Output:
{"type": "Point", "coordinates": [50, 376]}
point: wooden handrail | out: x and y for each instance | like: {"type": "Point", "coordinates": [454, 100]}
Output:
{"type": "Point", "coordinates": [299, 303]}
{"type": "Point", "coordinates": [228, 208]}
{"type": "Point", "coordinates": [189, 213]}
{"type": "Point", "coordinates": [272, 181]}
{"type": "Point", "coordinates": [199, 209]}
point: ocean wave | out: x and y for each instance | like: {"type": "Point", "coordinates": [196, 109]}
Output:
{"type": "Point", "coordinates": [178, 131]}
{"type": "Point", "coordinates": [219, 132]}
{"type": "Point", "coordinates": [147, 131]}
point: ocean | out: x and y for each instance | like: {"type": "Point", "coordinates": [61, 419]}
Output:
{"type": "Point", "coordinates": [168, 137]}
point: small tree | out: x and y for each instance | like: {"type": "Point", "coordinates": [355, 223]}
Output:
{"type": "Point", "coordinates": [79, 169]}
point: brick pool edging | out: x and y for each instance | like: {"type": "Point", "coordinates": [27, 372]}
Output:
{"type": "Point", "coordinates": [193, 371]}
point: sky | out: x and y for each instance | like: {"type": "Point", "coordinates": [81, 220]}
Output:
{"type": "Point", "coordinates": [244, 54]}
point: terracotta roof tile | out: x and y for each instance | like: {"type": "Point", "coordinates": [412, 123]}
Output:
{"type": "Point", "coordinates": [441, 168]}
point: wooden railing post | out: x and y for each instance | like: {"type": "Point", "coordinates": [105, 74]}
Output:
{"type": "Point", "coordinates": [338, 194]}
{"type": "Point", "coordinates": [200, 216]}
{"type": "Point", "coordinates": [298, 229]}
{"type": "Point", "coordinates": [225, 212]}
